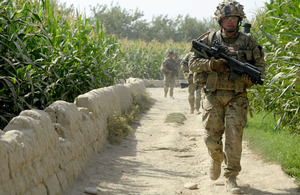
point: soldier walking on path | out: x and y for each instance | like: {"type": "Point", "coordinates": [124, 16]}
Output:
{"type": "Point", "coordinates": [170, 70]}
{"type": "Point", "coordinates": [225, 102]}
{"type": "Point", "coordinates": [194, 99]}
{"type": "Point", "coordinates": [178, 62]}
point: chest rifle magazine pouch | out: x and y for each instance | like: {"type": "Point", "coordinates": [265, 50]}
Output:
{"type": "Point", "coordinates": [211, 82]}
{"type": "Point", "coordinates": [200, 78]}
{"type": "Point", "coordinates": [238, 85]}
{"type": "Point", "coordinates": [248, 55]}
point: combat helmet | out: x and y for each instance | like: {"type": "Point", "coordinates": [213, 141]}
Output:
{"type": "Point", "coordinates": [176, 53]}
{"type": "Point", "coordinates": [169, 52]}
{"type": "Point", "coordinates": [229, 8]}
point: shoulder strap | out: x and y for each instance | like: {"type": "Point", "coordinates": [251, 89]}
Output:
{"type": "Point", "coordinates": [211, 36]}
{"type": "Point", "coordinates": [247, 38]}
{"type": "Point", "coordinates": [203, 35]}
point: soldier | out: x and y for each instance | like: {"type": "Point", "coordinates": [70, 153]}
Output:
{"type": "Point", "coordinates": [192, 88]}
{"type": "Point", "coordinates": [225, 103]}
{"type": "Point", "coordinates": [178, 62]}
{"type": "Point", "coordinates": [170, 69]}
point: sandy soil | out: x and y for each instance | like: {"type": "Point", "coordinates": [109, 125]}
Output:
{"type": "Point", "coordinates": [160, 158]}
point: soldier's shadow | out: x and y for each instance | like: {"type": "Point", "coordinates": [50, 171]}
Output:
{"type": "Point", "coordinates": [254, 191]}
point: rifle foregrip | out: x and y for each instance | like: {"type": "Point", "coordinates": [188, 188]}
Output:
{"type": "Point", "coordinates": [235, 65]}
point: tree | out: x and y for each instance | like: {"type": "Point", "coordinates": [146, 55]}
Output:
{"type": "Point", "coordinates": [118, 21]}
{"type": "Point", "coordinates": [130, 24]}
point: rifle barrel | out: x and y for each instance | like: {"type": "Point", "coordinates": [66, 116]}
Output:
{"type": "Point", "coordinates": [235, 65]}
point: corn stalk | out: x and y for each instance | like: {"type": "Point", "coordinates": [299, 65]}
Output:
{"type": "Point", "coordinates": [277, 29]}
{"type": "Point", "coordinates": [46, 55]}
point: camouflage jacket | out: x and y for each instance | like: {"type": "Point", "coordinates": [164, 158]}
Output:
{"type": "Point", "coordinates": [243, 47]}
{"type": "Point", "coordinates": [169, 66]}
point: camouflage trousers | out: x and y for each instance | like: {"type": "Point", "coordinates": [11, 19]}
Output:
{"type": "Point", "coordinates": [169, 83]}
{"type": "Point", "coordinates": [194, 102]}
{"type": "Point", "coordinates": [225, 113]}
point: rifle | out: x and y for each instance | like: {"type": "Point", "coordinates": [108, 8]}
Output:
{"type": "Point", "coordinates": [184, 85]}
{"type": "Point", "coordinates": [236, 67]}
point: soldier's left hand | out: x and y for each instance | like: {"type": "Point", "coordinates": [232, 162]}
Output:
{"type": "Point", "coordinates": [247, 80]}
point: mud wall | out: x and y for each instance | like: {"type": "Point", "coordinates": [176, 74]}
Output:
{"type": "Point", "coordinates": [43, 151]}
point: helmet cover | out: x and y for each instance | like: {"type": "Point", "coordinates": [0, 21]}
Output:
{"type": "Point", "coordinates": [229, 8]}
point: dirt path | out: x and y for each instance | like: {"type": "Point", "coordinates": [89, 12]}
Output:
{"type": "Point", "coordinates": [160, 158]}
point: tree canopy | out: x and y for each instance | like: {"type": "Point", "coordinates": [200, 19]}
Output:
{"type": "Point", "coordinates": [130, 24]}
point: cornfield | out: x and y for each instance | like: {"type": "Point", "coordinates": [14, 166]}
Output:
{"type": "Point", "coordinates": [51, 53]}
{"type": "Point", "coordinates": [143, 59]}
{"type": "Point", "coordinates": [277, 29]}
{"type": "Point", "coordinates": [47, 56]}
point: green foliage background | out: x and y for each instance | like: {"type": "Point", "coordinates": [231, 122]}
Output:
{"type": "Point", "coordinates": [143, 59]}
{"type": "Point", "coordinates": [131, 25]}
{"type": "Point", "coordinates": [47, 55]}
{"type": "Point", "coordinates": [277, 29]}
{"type": "Point", "coordinates": [50, 52]}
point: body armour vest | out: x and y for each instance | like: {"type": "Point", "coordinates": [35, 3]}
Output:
{"type": "Point", "coordinates": [238, 49]}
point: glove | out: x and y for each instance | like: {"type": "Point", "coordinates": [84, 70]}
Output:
{"type": "Point", "coordinates": [186, 74]}
{"type": "Point", "coordinates": [247, 80]}
{"type": "Point", "coordinates": [219, 65]}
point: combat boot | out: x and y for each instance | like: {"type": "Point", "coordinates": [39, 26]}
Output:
{"type": "Point", "coordinates": [215, 169]}
{"type": "Point", "coordinates": [166, 91]}
{"type": "Point", "coordinates": [231, 186]}
{"type": "Point", "coordinates": [171, 93]}
{"type": "Point", "coordinates": [192, 111]}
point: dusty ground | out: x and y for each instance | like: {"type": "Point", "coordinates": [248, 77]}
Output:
{"type": "Point", "coordinates": [160, 158]}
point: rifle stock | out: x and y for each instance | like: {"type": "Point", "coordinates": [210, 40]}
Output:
{"type": "Point", "coordinates": [184, 85]}
{"type": "Point", "coordinates": [236, 67]}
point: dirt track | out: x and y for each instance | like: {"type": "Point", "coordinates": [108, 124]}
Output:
{"type": "Point", "coordinates": [159, 158]}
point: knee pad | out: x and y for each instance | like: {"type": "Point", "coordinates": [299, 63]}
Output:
{"type": "Point", "coordinates": [211, 143]}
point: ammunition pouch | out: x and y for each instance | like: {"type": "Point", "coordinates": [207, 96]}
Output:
{"type": "Point", "coordinates": [211, 82]}
{"type": "Point", "coordinates": [217, 81]}
{"type": "Point", "coordinates": [190, 79]}
{"type": "Point", "coordinates": [200, 78]}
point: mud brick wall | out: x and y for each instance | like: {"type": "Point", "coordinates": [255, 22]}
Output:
{"type": "Point", "coordinates": [43, 151]}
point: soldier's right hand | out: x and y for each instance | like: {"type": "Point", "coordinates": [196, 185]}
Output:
{"type": "Point", "coordinates": [186, 74]}
{"type": "Point", "coordinates": [219, 65]}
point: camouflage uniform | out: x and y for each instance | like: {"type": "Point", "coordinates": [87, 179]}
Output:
{"type": "Point", "coordinates": [192, 88]}
{"type": "Point", "coordinates": [170, 70]}
{"type": "Point", "coordinates": [225, 102]}
{"type": "Point", "coordinates": [178, 62]}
